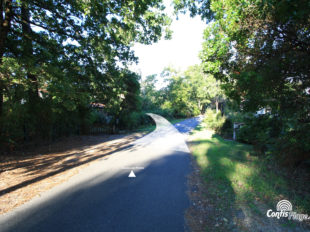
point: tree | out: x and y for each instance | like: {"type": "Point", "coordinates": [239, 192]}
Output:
{"type": "Point", "coordinates": [152, 96]}
{"type": "Point", "coordinates": [260, 51]}
{"type": "Point", "coordinates": [74, 51]}
{"type": "Point", "coordinates": [191, 92]}
{"type": "Point", "coordinates": [204, 88]}
{"type": "Point", "coordinates": [149, 93]}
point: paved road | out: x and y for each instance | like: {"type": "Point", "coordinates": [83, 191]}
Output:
{"type": "Point", "coordinates": [103, 198]}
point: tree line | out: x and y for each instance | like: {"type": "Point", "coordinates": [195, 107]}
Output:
{"type": "Point", "coordinates": [58, 56]}
{"type": "Point", "coordinates": [181, 94]}
{"type": "Point", "coordinates": [260, 51]}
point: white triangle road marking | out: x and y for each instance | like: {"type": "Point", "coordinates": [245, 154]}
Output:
{"type": "Point", "coordinates": [132, 174]}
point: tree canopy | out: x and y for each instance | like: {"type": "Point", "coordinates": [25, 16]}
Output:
{"type": "Point", "coordinates": [260, 52]}
{"type": "Point", "coordinates": [58, 56]}
{"type": "Point", "coordinates": [184, 94]}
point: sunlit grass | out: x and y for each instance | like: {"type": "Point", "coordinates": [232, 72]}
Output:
{"type": "Point", "coordinates": [234, 173]}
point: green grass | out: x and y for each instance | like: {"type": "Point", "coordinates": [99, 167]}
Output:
{"type": "Point", "coordinates": [233, 175]}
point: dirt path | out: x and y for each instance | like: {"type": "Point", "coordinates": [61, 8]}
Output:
{"type": "Point", "coordinates": [26, 175]}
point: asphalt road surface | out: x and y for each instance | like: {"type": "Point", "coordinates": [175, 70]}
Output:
{"type": "Point", "coordinates": [103, 198]}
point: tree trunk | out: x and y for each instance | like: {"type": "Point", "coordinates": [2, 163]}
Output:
{"type": "Point", "coordinates": [28, 54]}
{"type": "Point", "coordinates": [199, 106]}
{"type": "Point", "coordinates": [217, 105]}
{"type": "Point", "coordinates": [5, 24]}
{"type": "Point", "coordinates": [34, 124]}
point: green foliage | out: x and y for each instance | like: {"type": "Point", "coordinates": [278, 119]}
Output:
{"type": "Point", "coordinates": [233, 175]}
{"type": "Point", "coordinates": [213, 120]}
{"type": "Point", "coordinates": [133, 120]}
{"type": "Point", "coordinates": [254, 134]}
{"type": "Point", "coordinates": [277, 136]}
{"type": "Point", "coordinates": [259, 51]}
{"type": "Point", "coordinates": [186, 94]}
{"type": "Point", "coordinates": [164, 111]}
{"type": "Point", "coordinates": [57, 57]}
{"type": "Point", "coordinates": [205, 90]}
{"type": "Point", "coordinates": [201, 7]}
{"type": "Point", "coordinates": [226, 129]}
{"type": "Point", "coordinates": [294, 145]}
{"type": "Point", "coordinates": [152, 98]}
{"type": "Point", "coordinates": [179, 96]}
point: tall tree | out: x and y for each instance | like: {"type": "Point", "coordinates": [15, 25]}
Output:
{"type": "Point", "coordinates": [205, 89]}
{"type": "Point", "coordinates": [5, 26]}
{"type": "Point", "coordinates": [71, 52]}
{"type": "Point", "coordinates": [101, 31]}
{"type": "Point", "coordinates": [260, 50]}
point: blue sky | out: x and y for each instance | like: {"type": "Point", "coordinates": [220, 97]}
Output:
{"type": "Point", "coordinates": [180, 52]}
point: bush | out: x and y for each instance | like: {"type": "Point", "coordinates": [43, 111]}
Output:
{"type": "Point", "coordinates": [227, 129]}
{"type": "Point", "coordinates": [214, 120]}
{"type": "Point", "coordinates": [166, 113]}
{"type": "Point", "coordinates": [180, 109]}
{"type": "Point", "coordinates": [261, 131]}
{"type": "Point", "coordinates": [133, 120]}
{"type": "Point", "coordinates": [293, 145]}
{"type": "Point", "coordinates": [195, 110]}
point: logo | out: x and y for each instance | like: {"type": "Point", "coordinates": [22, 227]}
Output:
{"type": "Point", "coordinates": [284, 205]}
{"type": "Point", "coordinates": [285, 210]}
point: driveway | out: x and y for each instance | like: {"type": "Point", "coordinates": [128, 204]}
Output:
{"type": "Point", "coordinates": [103, 198]}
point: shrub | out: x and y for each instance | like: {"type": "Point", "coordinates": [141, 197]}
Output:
{"type": "Point", "coordinates": [214, 120]}
{"type": "Point", "coordinates": [261, 131]}
{"type": "Point", "coordinates": [165, 112]}
{"type": "Point", "coordinates": [293, 145]}
{"type": "Point", "coordinates": [227, 129]}
{"type": "Point", "coordinates": [133, 120]}
{"type": "Point", "coordinates": [195, 110]}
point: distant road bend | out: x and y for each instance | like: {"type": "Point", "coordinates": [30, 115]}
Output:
{"type": "Point", "coordinates": [103, 198]}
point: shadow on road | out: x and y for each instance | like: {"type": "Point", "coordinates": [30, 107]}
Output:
{"type": "Point", "coordinates": [119, 203]}
{"type": "Point", "coordinates": [30, 170]}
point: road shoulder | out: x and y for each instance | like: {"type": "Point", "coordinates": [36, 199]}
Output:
{"type": "Point", "coordinates": [224, 188]}
{"type": "Point", "coordinates": [29, 174]}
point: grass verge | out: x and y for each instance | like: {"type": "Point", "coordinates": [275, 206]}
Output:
{"type": "Point", "coordinates": [240, 186]}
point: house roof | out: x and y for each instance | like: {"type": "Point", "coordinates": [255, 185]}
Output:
{"type": "Point", "coordinates": [97, 105]}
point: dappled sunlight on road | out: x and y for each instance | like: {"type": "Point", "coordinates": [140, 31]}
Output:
{"type": "Point", "coordinates": [28, 176]}
{"type": "Point", "coordinates": [161, 163]}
